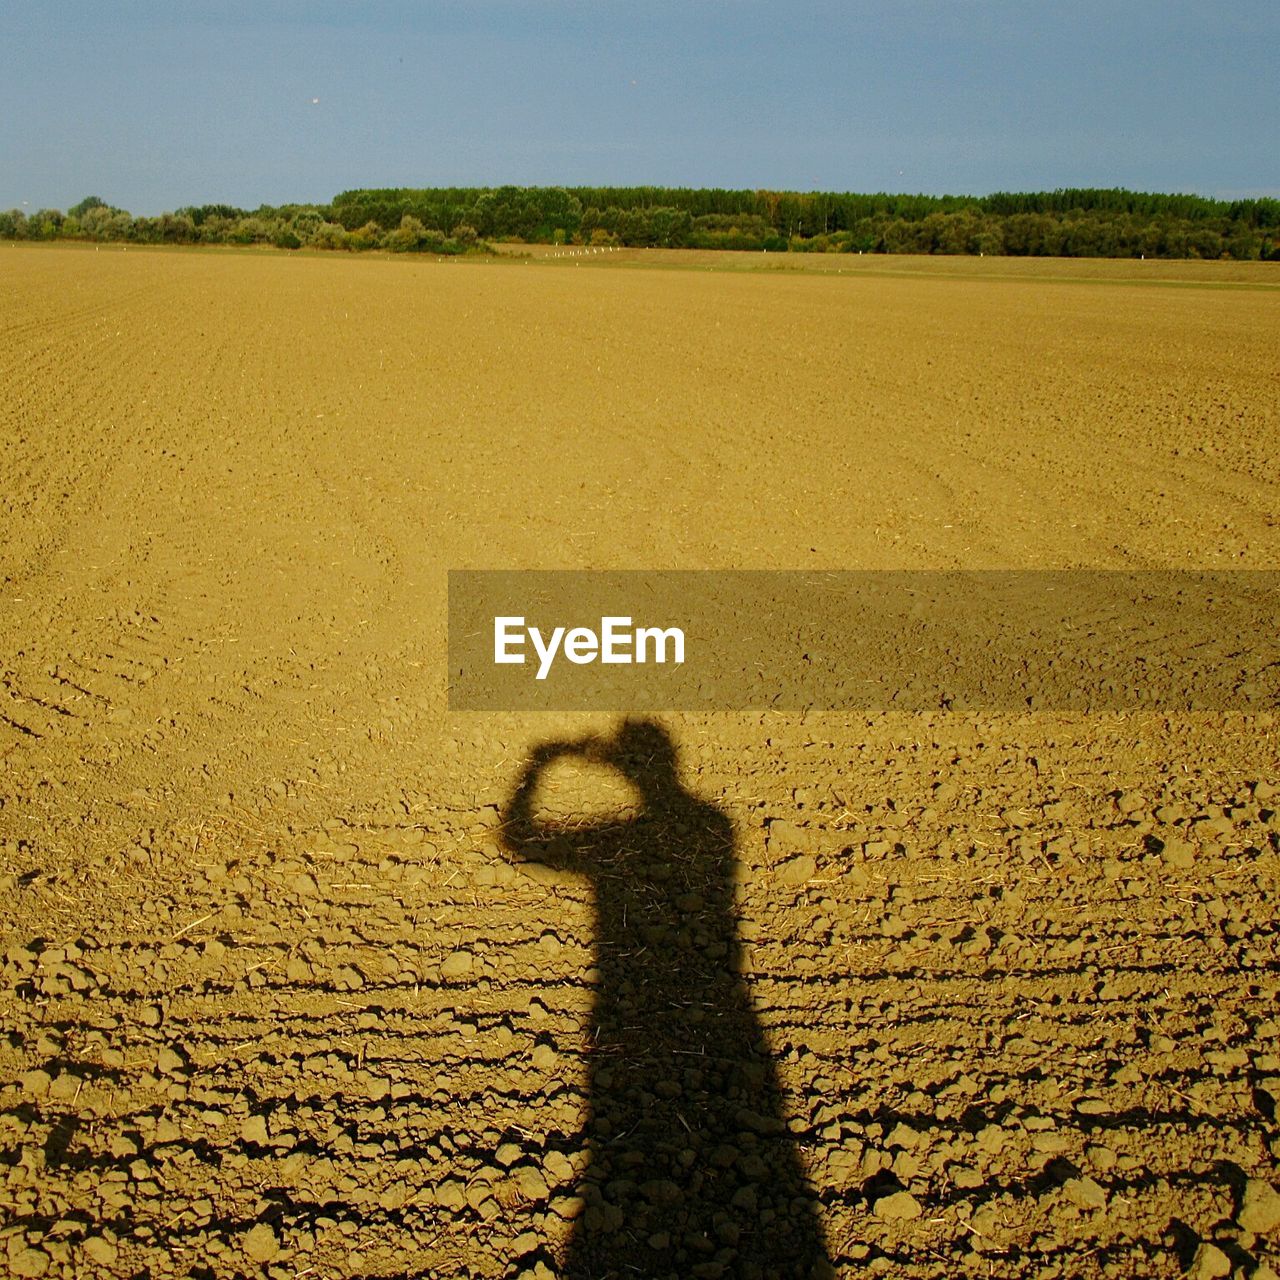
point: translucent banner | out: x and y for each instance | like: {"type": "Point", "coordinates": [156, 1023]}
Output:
{"type": "Point", "coordinates": [1069, 640]}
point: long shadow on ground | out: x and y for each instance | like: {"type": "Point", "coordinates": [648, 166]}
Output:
{"type": "Point", "coordinates": [692, 1171]}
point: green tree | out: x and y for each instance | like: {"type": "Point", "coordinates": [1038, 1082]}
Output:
{"type": "Point", "coordinates": [89, 202]}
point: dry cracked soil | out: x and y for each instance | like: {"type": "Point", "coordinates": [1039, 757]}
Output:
{"type": "Point", "coordinates": [304, 975]}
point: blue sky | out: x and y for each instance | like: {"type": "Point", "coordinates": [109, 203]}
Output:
{"type": "Point", "coordinates": [155, 105]}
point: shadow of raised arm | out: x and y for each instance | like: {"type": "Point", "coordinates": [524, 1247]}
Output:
{"type": "Point", "coordinates": [523, 835]}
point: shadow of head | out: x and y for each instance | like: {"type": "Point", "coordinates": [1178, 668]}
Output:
{"type": "Point", "coordinates": [643, 752]}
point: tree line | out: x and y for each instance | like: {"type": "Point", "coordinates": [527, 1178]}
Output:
{"type": "Point", "coordinates": [1071, 222]}
{"type": "Point", "coordinates": [294, 226]}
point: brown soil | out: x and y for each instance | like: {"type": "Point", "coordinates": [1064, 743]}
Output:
{"type": "Point", "coordinates": [282, 995]}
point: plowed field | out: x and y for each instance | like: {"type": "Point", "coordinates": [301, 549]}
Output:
{"type": "Point", "coordinates": [299, 980]}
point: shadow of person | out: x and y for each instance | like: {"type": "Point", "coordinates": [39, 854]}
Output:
{"type": "Point", "coordinates": [691, 1168]}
